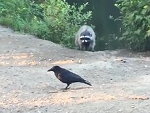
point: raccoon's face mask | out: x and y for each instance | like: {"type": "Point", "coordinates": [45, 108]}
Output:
{"type": "Point", "coordinates": [85, 39]}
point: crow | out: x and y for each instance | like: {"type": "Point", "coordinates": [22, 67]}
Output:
{"type": "Point", "coordinates": [67, 77]}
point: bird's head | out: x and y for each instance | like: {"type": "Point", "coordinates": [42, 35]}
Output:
{"type": "Point", "coordinates": [54, 68]}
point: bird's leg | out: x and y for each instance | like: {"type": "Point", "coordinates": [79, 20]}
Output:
{"type": "Point", "coordinates": [67, 86]}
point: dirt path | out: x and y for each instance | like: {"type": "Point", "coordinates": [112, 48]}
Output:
{"type": "Point", "coordinates": [120, 79]}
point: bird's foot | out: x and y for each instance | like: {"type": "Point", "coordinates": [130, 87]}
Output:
{"type": "Point", "coordinates": [64, 89]}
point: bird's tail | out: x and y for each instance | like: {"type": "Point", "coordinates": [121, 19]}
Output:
{"type": "Point", "coordinates": [87, 82]}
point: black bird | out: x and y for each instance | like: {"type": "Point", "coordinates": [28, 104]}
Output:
{"type": "Point", "coordinates": [67, 77]}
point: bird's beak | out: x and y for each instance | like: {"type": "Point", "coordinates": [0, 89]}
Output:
{"type": "Point", "coordinates": [49, 70]}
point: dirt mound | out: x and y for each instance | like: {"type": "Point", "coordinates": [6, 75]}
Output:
{"type": "Point", "coordinates": [120, 79]}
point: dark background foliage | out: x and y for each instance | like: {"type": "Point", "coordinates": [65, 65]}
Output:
{"type": "Point", "coordinates": [106, 28]}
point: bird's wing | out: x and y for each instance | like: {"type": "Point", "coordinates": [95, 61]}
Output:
{"type": "Point", "coordinates": [71, 77]}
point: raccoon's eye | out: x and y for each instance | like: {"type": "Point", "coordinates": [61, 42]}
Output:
{"type": "Point", "coordinates": [83, 41]}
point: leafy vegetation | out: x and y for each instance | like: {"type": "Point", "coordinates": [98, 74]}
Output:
{"type": "Point", "coordinates": [53, 20]}
{"type": "Point", "coordinates": [58, 21]}
{"type": "Point", "coordinates": [136, 23]}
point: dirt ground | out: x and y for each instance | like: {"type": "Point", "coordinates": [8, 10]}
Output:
{"type": "Point", "coordinates": [120, 79]}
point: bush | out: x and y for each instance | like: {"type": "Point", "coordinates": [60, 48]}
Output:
{"type": "Point", "coordinates": [136, 23]}
{"type": "Point", "coordinates": [53, 20]}
{"type": "Point", "coordinates": [12, 11]}
{"type": "Point", "coordinates": [63, 20]}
